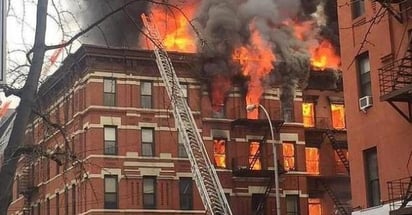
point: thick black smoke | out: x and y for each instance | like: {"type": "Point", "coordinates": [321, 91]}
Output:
{"type": "Point", "coordinates": [119, 30]}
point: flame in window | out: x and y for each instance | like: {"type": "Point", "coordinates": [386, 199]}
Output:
{"type": "Point", "coordinates": [338, 116]}
{"type": "Point", "coordinates": [315, 207]}
{"type": "Point", "coordinates": [308, 115]}
{"type": "Point", "coordinates": [288, 156]}
{"type": "Point", "coordinates": [312, 160]}
{"type": "Point", "coordinates": [254, 156]}
{"type": "Point", "coordinates": [219, 147]}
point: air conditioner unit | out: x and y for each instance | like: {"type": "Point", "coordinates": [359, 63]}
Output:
{"type": "Point", "coordinates": [365, 102]}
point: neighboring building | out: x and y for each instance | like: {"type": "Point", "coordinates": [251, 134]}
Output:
{"type": "Point", "coordinates": [376, 44]}
{"type": "Point", "coordinates": [121, 152]}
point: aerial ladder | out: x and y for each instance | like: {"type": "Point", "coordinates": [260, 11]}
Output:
{"type": "Point", "coordinates": [204, 173]}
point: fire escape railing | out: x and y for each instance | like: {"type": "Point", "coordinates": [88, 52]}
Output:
{"type": "Point", "coordinates": [338, 148]}
{"type": "Point", "coordinates": [395, 83]}
{"type": "Point", "coordinates": [399, 9]}
{"type": "Point", "coordinates": [400, 193]}
{"type": "Point", "coordinates": [26, 183]}
{"type": "Point", "coordinates": [338, 204]}
{"type": "Point", "coordinates": [396, 75]}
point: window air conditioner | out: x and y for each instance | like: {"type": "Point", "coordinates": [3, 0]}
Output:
{"type": "Point", "coordinates": [365, 102]}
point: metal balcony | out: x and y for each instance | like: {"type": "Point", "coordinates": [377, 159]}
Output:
{"type": "Point", "coordinates": [400, 195]}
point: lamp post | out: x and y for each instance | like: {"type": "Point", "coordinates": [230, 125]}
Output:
{"type": "Point", "coordinates": [249, 108]}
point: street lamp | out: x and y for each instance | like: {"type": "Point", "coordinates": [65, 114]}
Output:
{"type": "Point", "coordinates": [250, 108]}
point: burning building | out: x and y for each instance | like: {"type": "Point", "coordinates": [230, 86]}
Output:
{"type": "Point", "coordinates": [118, 149]}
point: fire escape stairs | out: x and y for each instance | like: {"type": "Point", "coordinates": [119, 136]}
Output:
{"type": "Point", "coordinates": [338, 148]}
{"type": "Point", "coordinates": [339, 206]}
{"type": "Point", "coordinates": [261, 205]}
{"type": "Point", "coordinates": [26, 184]}
{"type": "Point", "coordinates": [395, 9]}
{"type": "Point", "coordinates": [257, 155]}
{"type": "Point", "coordinates": [408, 195]}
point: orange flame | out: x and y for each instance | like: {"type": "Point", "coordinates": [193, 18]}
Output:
{"type": "Point", "coordinates": [256, 60]}
{"type": "Point", "coordinates": [174, 28]}
{"type": "Point", "coordinates": [324, 56]}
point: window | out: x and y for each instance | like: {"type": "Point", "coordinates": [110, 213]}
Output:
{"type": "Point", "coordinates": [288, 156]}
{"type": "Point", "coordinates": [254, 156]}
{"type": "Point", "coordinates": [181, 148]}
{"type": "Point", "coordinates": [219, 152]}
{"type": "Point", "coordinates": [47, 206]}
{"type": "Point", "coordinates": [184, 90]}
{"type": "Point", "coordinates": [146, 94]}
{"type": "Point", "coordinates": [74, 199]}
{"type": "Point", "coordinates": [372, 177]}
{"type": "Point", "coordinates": [315, 207]}
{"type": "Point", "coordinates": [292, 205]}
{"type": "Point", "coordinates": [258, 203]}
{"type": "Point", "coordinates": [110, 191]}
{"type": "Point", "coordinates": [312, 160]}
{"type": "Point", "coordinates": [109, 91]}
{"type": "Point", "coordinates": [57, 203]}
{"type": "Point", "coordinates": [308, 114]}
{"type": "Point", "coordinates": [149, 192]}
{"type": "Point", "coordinates": [186, 193]}
{"type": "Point", "coordinates": [147, 142]}
{"type": "Point", "coordinates": [110, 140]}
{"type": "Point", "coordinates": [358, 8]}
{"type": "Point", "coordinates": [363, 66]}
{"type": "Point", "coordinates": [338, 116]}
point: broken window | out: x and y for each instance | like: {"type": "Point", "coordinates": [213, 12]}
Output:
{"type": "Point", "coordinates": [312, 160]}
{"type": "Point", "coordinates": [288, 156]}
{"type": "Point", "coordinates": [308, 114]}
{"type": "Point", "coordinates": [254, 156]}
{"type": "Point", "coordinates": [315, 208]}
{"type": "Point", "coordinates": [338, 116]}
{"type": "Point", "coordinates": [219, 147]}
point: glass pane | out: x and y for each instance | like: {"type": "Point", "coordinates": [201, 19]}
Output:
{"type": "Point", "coordinates": [308, 115]}
{"type": "Point", "coordinates": [220, 153]}
{"type": "Point", "coordinates": [149, 200]}
{"type": "Point", "coordinates": [110, 133]}
{"type": "Point", "coordinates": [148, 185]}
{"type": "Point", "coordinates": [182, 151]}
{"type": "Point", "coordinates": [109, 86]}
{"type": "Point", "coordinates": [146, 88]}
{"type": "Point", "coordinates": [147, 149]}
{"type": "Point", "coordinates": [110, 184]}
{"type": "Point", "coordinates": [146, 101]}
{"type": "Point", "coordinates": [315, 207]}
{"type": "Point", "coordinates": [110, 147]}
{"type": "Point", "coordinates": [254, 157]}
{"type": "Point", "coordinates": [312, 160]}
{"type": "Point", "coordinates": [109, 99]}
{"type": "Point", "coordinates": [184, 90]}
{"type": "Point", "coordinates": [338, 116]}
{"type": "Point", "coordinates": [364, 65]}
{"type": "Point", "coordinates": [147, 135]}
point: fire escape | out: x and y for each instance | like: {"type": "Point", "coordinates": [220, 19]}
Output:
{"type": "Point", "coordinates": [250, 171]}
{"type": "Point", "coordinates": [317, 136]}
{"type": "Point", "coordinates": [26, 185]}
{"type": "Point", "coordinates": [395, 78]}
{"type": "Point", "coordinates": [400, 194]}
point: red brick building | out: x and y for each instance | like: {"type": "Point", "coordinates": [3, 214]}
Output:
{"type": "Point", "coordinates": [375, 39]}
{"type": "Point", "coordinates": [111, 145]}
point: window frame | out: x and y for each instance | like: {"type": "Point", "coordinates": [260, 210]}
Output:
{"type": "Point", "coordinates": [364, 77]}
{"type": "Point", "coordinates": [108, 195]}
{"type": "Point", "coordinates": [373, 194]}
{"type": "Point", "coordinates": [106, 150]}
{"type": "Point", "coordinates": [357, 8]}
{"type": "Point", "coordinates": [285, 164]}
{"type": "Point", "coordinates": [151, 144]}
{"type": "Point", "coordinates": [255, 201]}
{"type": "Point", "coordinates": [343, 115]}
{"type": "Point", "coordinates": [217, 155]}
{"type": "Point", "coordinates": [258, 163]}
{"type": "Point", "coordinates": [186, 198]}
{"type": "Point", "coordinates": [152, 181]}
{"type": "Point", "coordinates": [309, 162]}
{"type": "Point", "coordinates": [295, 199]}
{"type": "Point", "coordinates": [146, 99]}
{"type": "Point", "coordinates": [313, 116]}
{"type": "Point", "coordinates": [109, 93]}
{"type": "Point", "coordinates": [181, 150]}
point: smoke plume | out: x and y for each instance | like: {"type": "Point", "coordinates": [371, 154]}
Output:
{"type": "Point", "coordinates": [225, 25]}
